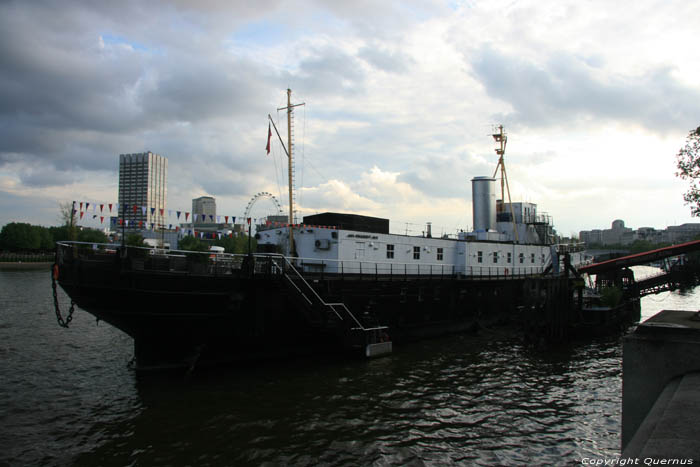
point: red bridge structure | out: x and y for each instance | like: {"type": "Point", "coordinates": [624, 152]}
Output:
{"type": "Point", "coordinates": [616, 271]}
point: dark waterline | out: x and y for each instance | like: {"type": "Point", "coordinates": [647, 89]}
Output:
{"type": "Point", "coordinates": [68, 397]}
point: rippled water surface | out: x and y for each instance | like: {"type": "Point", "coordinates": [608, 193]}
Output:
{"type": "Point", "coordinates": [68, 397]}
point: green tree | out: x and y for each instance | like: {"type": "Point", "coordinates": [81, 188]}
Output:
{"type": "Point", "coordinates": [236, 244]}
{"type": "Point", "coordinates": [92, 236]}
{"type": "Point", "coordinates": [688, 163]}
{"type": "Point", "coordinates": [134, 239]}
{"type": "Point", "coordinates": [45, 238]}
{"type": "Point", "coordinates": [190, 243]}
{"type": "Point", "coordinates": [60, 233]}
{"type": "Point", "coordinates": [19, 236]}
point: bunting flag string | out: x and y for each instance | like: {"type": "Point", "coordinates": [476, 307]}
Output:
{"type": "Point", "coordinates": [151, 221]}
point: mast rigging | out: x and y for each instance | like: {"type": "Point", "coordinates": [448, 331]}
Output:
{"type": "Point", "coordinates": [502, 138]}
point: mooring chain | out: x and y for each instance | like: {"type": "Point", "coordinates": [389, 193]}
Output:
{"type": "Point", "coordinates": [61, 322]}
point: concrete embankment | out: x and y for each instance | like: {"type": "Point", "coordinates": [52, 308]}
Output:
{"type": "Point", "coordinates": [661, 388]}
{"type": "Point", "coordinates": [24, 266]}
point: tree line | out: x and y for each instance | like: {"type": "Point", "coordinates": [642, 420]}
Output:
{"type": "Point", "coordinates": [21, 236]}
{"type": "Point", "coordinates": [18, 236]}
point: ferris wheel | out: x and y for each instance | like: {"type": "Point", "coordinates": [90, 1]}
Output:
{"type": "Point", "coordinates": [258, 197]}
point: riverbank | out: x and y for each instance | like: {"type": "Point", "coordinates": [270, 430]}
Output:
{"type": "Point", "coordinates": [25, 266]}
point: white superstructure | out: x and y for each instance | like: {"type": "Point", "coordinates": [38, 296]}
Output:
{"type": "Point", "coordinates": [491, 250]}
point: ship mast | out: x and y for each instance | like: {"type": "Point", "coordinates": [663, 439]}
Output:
{"type": "Point", "coordinates": [289, 108]}
{"type": "Point", "coordinates": [502, 139]}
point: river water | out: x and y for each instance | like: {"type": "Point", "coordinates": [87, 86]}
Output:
{"type": "Point", "coordinates": [69, 397]}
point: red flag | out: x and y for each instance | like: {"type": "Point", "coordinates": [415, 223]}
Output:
{"type": "Point", "coordinates": [249, 221]}
{"type": "Point", "coordinates": [269, 135]}
{"type": "Point", "coordinates": [161, 211]}
{"type": "Point", "coordinates": [226, 219]}
{"type": "Point", "coordinates": [102, 219]}
{"type": "Point", "coordinates": [187, 214]}
{"type": "Point", "coordinates": [110, 208]}
{"type": "Point", "coordinates": [81, 213]}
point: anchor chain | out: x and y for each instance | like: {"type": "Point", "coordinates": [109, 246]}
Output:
{"type": "Point", "coordinates": [61, 321]}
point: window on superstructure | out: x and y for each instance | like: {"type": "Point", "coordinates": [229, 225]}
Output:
{"type": "Point", "coordinates": [416, 252]}
{"type": "Point", "coordinates": [390, 251]}
{"type": "Point", "coordinates": [542, 258]}
{"type": "Point", "coordinates": [495, 257]}
{"type": "Point", "coordinates": [479, 257]}
{"type": "Point", "coordinates": [532, 258]}
{"type": "Point", "coordinates": [439, 254]}
{"type": "Point", "coordinates": [510, 257]}
{"type": "Point", "coordinates": [522, 258]}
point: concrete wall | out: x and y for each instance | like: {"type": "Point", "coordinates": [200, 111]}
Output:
{"type": "Point", "coordinates": [662, 348]}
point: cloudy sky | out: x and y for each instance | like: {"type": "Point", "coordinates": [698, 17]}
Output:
{"type": "Point", "coordinates": [401, 97]}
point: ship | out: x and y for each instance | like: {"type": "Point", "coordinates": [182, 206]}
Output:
{"type": "Point", "coordinates": [334, 282]}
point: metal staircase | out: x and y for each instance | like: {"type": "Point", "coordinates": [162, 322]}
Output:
{"type": "Point", "coordinates": [372, 341]}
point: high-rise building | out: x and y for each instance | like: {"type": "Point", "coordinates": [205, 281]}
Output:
{"type": "Point", "coordinates": [143, 183]}
{"type": "Point", "coordinates": [205, 209]}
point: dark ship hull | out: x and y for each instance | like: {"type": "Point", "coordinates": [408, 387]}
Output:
{"type": "Point", "coordinates": [189, 308]}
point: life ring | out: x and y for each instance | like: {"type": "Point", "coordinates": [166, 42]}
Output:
{"type": "Point", "coordinates": [55, 272]}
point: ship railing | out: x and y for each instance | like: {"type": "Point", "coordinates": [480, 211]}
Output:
{"type": "Point", "coordinates": [213, 263]}
{"type": "Point", "coordinates": [573, 247]}
{"type": "Point", "coordinates": [497, 273]}
{"type": "Point", "coordinates": [139, 258]}
{"type": "Point", "coordinates": [387, 270]}
{"type": "Point", "coordinates": [375, 269]}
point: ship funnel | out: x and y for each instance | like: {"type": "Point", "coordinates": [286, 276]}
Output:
{"type": "Point", "coordinates": [484, 203]}
{"type": "Point", "coordinates": [429, 230]}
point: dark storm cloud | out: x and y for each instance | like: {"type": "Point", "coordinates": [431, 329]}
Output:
{"type": "Point", "coordinates": [565, 89]}
{"type": "Point", "coordinates": [330, 71]}
{"type": "Point", "coordinates": [194, 89]}
{"type": "Point", "coordinates": [78, 86]}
